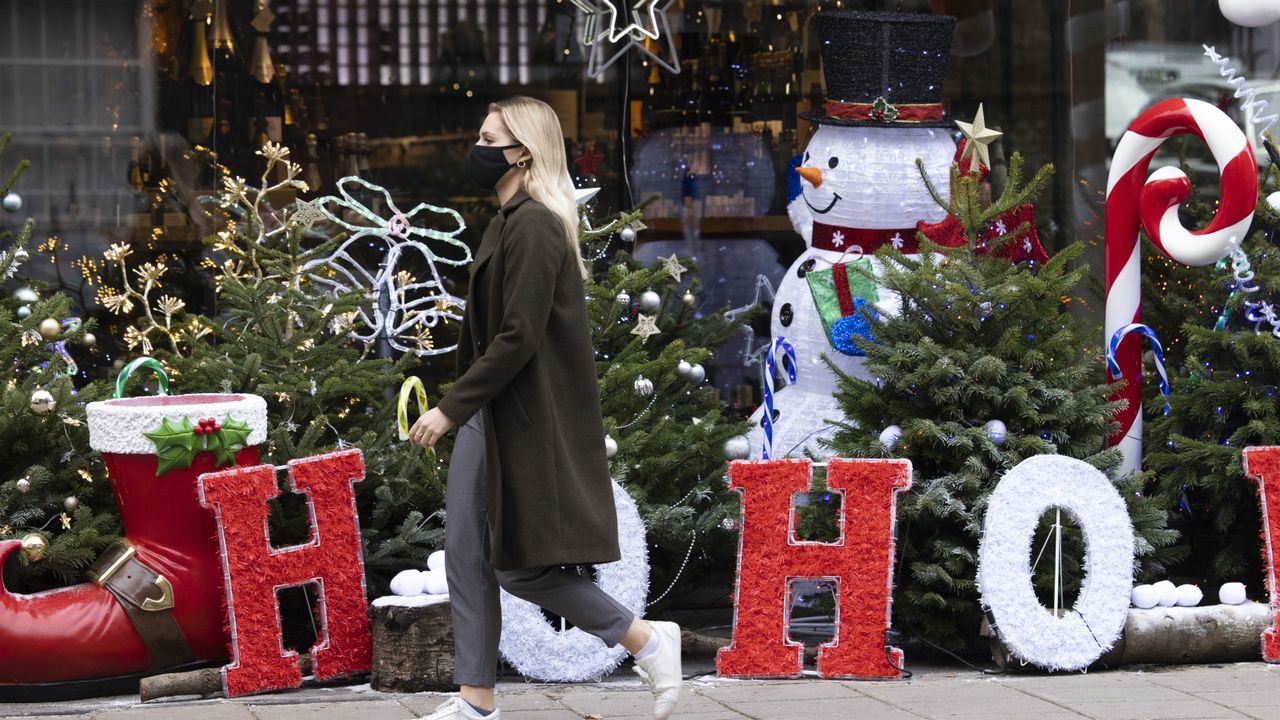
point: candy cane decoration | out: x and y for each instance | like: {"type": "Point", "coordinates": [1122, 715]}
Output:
{"type": "Point", "coordinates": [1153, 205]}
{"type": "Point", "coordinates": [771, 362]}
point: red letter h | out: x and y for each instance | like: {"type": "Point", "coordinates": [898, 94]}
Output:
{"type": "Point", "coordinates": [255, 570]}
{"type": "Point", "coordinates": [860, 563]}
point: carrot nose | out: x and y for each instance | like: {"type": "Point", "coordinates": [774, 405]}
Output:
{"type": "Point", "coordinates": [813, 175]}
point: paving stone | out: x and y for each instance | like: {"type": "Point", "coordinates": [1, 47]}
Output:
{"type": "Point", "coordinates": [1137, 710]}
{"type": "Point", "coordinates": [219, 710]}
{"type": "Point", "coordinates": [376, 710]}
{"type": "Point", "coordinates": [781, 690]}
{"type": "Point", "coordinates": [614, 703]}
{"type": "Point", "coordinates": [844, 707]}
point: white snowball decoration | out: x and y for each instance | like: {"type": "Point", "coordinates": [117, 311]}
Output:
{"type": "Point", "coordinates": [406, 583]}
{"type": "Point", "coordinates": [890, 436]}
{"type": "Point", "coordinates": [540, 651]}
{"type": "Point", "coordinates": [435, 561]}
{"type": "Point", "coordinates": [1144, 597]}
{"type": "Point", "coordinates": [1250, 13]}
{"type": "Point", "coordinates": [1232, 593]}
{"type": "Point", "coordinates": [1189, 595]}
{"type": "Point", "coordinates": [610, 446]}
{"type": "Point", "coordinates": [1168, 593]}
{"type": "Point", "coordinates": [1274, 200]}
{"type": "Point", "coordinates": [1092, 626]}
{"type": "Point", "coordinates": [434, 582]}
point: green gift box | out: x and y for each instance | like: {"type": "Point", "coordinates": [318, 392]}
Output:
{"type": "Point", "coordinates": [835, 291]}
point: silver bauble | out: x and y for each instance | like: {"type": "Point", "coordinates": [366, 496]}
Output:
{"type": "Point", "coordinates": [21, 255]}
{"type": "Point", "coordinates": [610, 446]}
{"type": "Point", "coordinates": [90, 339]}
{"type": "Point", "coordinates": [42, 402]}
{"type": "Point", "coordinates": [737, 447]}
{"type": "Point", "coordinates": [644, 386]}
{"type": "Point", "coordinates": [71, 503]}
{"type": "Point", "coordinates": [689, 298]}
{"type": "Point", "coordinates": [12, 202]}
{"type": "Point", "coordinates": [23, 485]}
{"type": "Point", "coordinates": [697, 374]}
{"type": "Point", "coordinates": [996, 431]}
{"type": "Point", "coordinates": [683, 368]}
{"type": "Point", "coordinates": [623, 298]}
{"type": "Point", "coordinates": [650, 301]}
{"type": "Point", "coordinates": [890, 436]}
{"type": "Point", "coordinates": [628, 234]}
{"type": "Point", "coordinates": [24, 312]}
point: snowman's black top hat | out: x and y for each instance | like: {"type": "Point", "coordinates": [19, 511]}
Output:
{"type": "Point", "coordinates": [883, 69]}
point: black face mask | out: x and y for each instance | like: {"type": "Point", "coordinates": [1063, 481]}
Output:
{"type": "Point", "coordinates": [488, 163]}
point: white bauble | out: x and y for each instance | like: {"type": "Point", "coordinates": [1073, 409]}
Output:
{"type": "Point", "coordinates": [1189, 596]}
{"type": "Point", "coordinates": [737, 447]}
{"type": "Point", "coordinates": [996, 431]}
{"type": "Point", "coordinates": [610, 446]}
{"type": "Point", "coordinates": [1250, 13]}
{"type": "Point", "coordinates": [1274, 200]}
{"type": "Point", "coordinates": [435, 561]}
{"type": "Point", "coordinates": [890, 436]}
{"type": "Point", "coordinates": [1144, 596]}
{"type": "Point", "coordinates": [1168, 593]}
{"type": "Point", "coordinates": [683, 368]}
{"type": "Point", "coordinates": [407, 583]}
{"type": "Point", "coordinates": [434, 582]}
{"type": "Point", "coordinates": [25, 294]}
{"type": "Point", "coordinates": [697, 373]}
{"type": "Point", "coordinates": [1232, 593]}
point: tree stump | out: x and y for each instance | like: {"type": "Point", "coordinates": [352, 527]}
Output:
{"type": "Point", "coordinates": [412, 644]}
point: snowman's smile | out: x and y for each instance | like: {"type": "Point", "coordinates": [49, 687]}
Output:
{"type": "Point", "coordinates": [835, 198]}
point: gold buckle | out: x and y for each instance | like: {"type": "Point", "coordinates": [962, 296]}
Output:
{"type": "Point", "coordinates": [100, 579]}
{"type": "Point", "coordinates": [166, 596]}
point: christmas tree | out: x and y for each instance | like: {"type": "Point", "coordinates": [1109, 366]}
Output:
{"type": "Point", "coordinates": [983, 367]}
{"type": "Point", "coordinates": [53, 490]}
{"type": "Point", "coordinates": [1222, 399]}
{"type": "Point", "coordinates": [282, 334]}
{"type": "Point", "coordinates": [666, 421]}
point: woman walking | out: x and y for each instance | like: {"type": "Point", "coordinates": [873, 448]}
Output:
{"type": "Point", "coordinates": [529, 490]}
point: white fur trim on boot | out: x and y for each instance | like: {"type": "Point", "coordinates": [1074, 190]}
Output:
{"type": "Point", "coordinates": [117, 426]}
{"type": "Point", "coordinates": [663, 670]}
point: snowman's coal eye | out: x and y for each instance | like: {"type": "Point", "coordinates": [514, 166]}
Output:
{"type": "Point", "coordinates": [833, 162]}
{"type": "Point", "coordinates": [806, 156]}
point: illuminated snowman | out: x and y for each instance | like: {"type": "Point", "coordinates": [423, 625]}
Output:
{"type": "Point", "coordinates": [859, 190]}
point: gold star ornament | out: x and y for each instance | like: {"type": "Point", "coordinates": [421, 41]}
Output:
{"type": "Point", "coordinates": [646, 325]}
{"type": "Point", "coordinates": [977, 137]}
{"type": "Point", "coordinates": [673, 267]}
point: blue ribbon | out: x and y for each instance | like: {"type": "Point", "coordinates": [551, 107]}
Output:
{"type": "Point", "coordinates": [771, 362]}
{"type": "Point", "coordinates": [1114, 368]}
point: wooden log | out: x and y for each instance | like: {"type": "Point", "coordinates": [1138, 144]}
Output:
{"type": "Point", "coordinates": [1177, 635]}
{"type": "Point", "coordinates": [1207, 634]}
{"type": "Point", "coordinates": [204, 683]}
{"type": "Point", "coordinates": [412, 644]}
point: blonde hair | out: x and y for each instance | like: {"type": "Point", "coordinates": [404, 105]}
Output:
{"type": "Point", "coordinates": [534, 124]}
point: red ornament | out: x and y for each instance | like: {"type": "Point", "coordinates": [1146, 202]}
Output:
{"type": "Point", "coordinates": [860, 564]}
{"type": "Point", "coordinates": [1263, 464]}
{"type": "Point", "coordinates": [255, 571]}
{"type": "Point", "coordinates": [589, 162]}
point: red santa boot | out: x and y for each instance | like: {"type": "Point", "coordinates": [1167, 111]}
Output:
{"type": "Point", "coordinates": [155, 600]}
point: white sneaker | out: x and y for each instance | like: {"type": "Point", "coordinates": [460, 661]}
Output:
{"type": "Point", "coordinates": [455, 708]}
{"type": "Point", "coordinates": [663, 671]}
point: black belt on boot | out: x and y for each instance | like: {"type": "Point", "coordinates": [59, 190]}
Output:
{"type": "Point", "coordinates": [146, 597]}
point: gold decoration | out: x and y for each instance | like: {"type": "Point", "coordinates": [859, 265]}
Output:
{"type": "Point", "coordinates": [977, 137]}
{"type": "Point", "coordinates": [66, 521]}
{"type": "Point", "coordinates": [49, 328]}
{"type": "Point", "coordinates": [673, 266]}
{"type": "Point", "coordinates": [34, 546]}
{"type": "Point", "coordinates": [5, 529]}
{"type": "Point", "coordinates": [85, 474]}
{"type": "Point", "coordinates": [200, 68]}
{"type": "Point", "coordinates": [646, 325]}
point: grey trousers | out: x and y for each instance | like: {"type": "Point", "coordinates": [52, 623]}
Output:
{"type": "Point", "coordinates": [473, 583]}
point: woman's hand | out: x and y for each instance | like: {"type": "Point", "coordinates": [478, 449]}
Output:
{"type": "Point", "coordinates": [429, 428]}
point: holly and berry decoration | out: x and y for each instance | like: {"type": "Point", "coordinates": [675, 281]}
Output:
{"type": "Point", "coordinates": [178, 443]}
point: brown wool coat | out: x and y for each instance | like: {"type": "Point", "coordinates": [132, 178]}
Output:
{"type": "Point", "coordinates": [525, 359]}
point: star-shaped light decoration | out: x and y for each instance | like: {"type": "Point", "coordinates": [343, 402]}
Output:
{"type": "Point", "coordinates": [673, 267]}
{"type": "Point", "coordinates": [978, 136]}
{"type": "Point", "coordinates": [306, 214]}
{"type": "Point", "coordinates": [644, 20]}
{"type": "Point", "coordinates": [646, 325]}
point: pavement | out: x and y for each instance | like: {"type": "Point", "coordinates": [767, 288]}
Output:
{"type": "Point", "coordinates": [1204, 692]}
